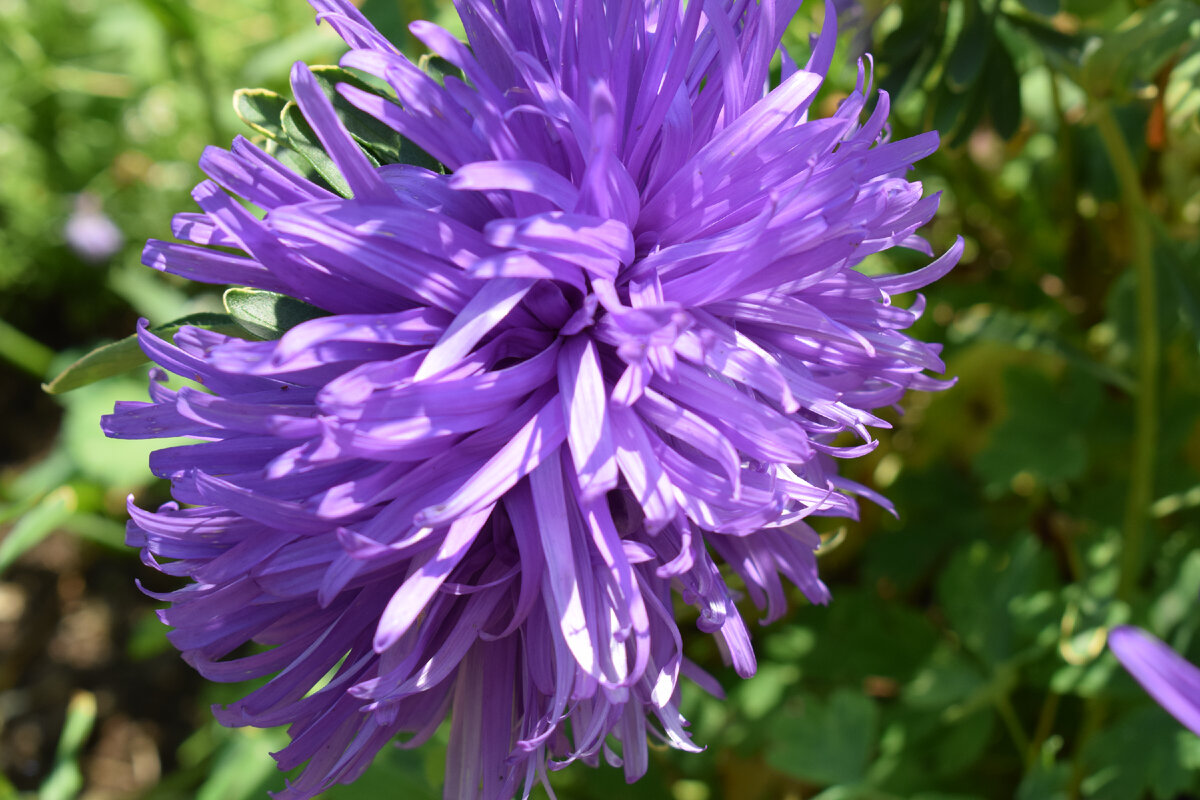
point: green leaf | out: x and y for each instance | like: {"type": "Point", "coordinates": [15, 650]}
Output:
{"type": "Point", "coordinates": [66, 779]}
{"type": "Point", "coordinates": [1040, 411]}
{"type": "Point", "coordinates": [848, 634]}
{"type": "Point", "coordinates": [912, 36]}
{"type": "Point", "coordinates": [1046, 8]}
{"type": "Point", "coordinates": [911, 49]}
{"type": "Point", "coordinates": [1001, 601]}
{"type": "Point", "coordinates": [301, 138]}
{"type": "Point", "coordinates": [243, 768]}
{"type": "Point", "coordinates": [1020, 331]}
{"type": "Point", "coordinates": [1144, 751]}
{"type": "Point", "coordinates": [919, 747]}
{"type": "Point", "coordinates": [394, 773]}
{"type": "Point", "coordinates": [762, 694]}
{"type": "Point", "coordinates": [115, 464]}
{"type": "Point", "coordinates": [98, 529]}
{"type": "Point", "coordinates": [1063, 50]}
{"type": "Point", "coordinates": [268, 315]}
{"type": "Point", "coordinates": [1004, 92]}
{"type": "Point", "coordinates": [262, 110]}
{"type": "Point", "coordinates": [439, 68]}
{"type": "Point", "coordinates": [123, 355]}
{"type": "Point", "coordinates": [38, 523]}
{"type": "Point", "coordinates": [1140, 47]}
{"type": "Point", "coordinates": [829, 743]}
{"type": "Point", "coordinates": [1047, 779]}
{"type": "Point", "coordinates": [1175, 262]}
{"type": "Point", "coordinates": [947, 679]}
{"type": "Point", "coordinates": [970, 52]}
{"type": "Point", "coordinates": [147, 637]}
{"type": "Point", "coordinates": [389, 18]}
{"type": "Point", "coordinates": [381, 142]}
{"type": "Point", "coordinates": [949, 109]}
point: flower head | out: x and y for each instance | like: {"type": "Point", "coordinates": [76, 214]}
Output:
{"type": "Point", "coordinates": [607, 349]}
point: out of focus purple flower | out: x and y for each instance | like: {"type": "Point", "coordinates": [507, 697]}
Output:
{"type": "Point", "coordinates": [1163, 673]}
{"type": "Point", "coordinates": [89, 232]}
{"type": "Point", "coordinates": [610, 350]}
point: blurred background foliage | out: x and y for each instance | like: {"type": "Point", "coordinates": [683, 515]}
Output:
{"type": "Point", "coordinates": [1053, 493]}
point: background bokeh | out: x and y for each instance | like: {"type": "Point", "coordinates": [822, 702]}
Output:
{"type": "Point", "coordinates": [1053, 493]}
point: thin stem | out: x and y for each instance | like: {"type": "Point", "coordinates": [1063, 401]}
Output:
{"type": "Point", "coordinates": [1146, 422]}
{"type": "Point", "coordinates": [24, 352]}
{"type": "Point", "coordinates": [1045, 725]}
{"type": "Point", "coordinates": [1012, 722]}
{"type": "Point", "coordinates": [1094, 712]}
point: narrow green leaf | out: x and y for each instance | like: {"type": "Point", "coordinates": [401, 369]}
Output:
{"type": "Point", "coordinates": [1063, 50]}
{"type": "Point", "coordinates": [262, 110]}
{"type": "Point", "coordinates": [268, 315]}
{"type": "Point", "coordinates": [970, 52]}
{"type": "Point", "coordinates": [243, 769]}
{"type": "Point", "coordinates": [948, 110]}
{"type": "Point", "coordinates": [920, 19]}
{"type": "Point", "coordinates": [125, 354]}
{"type": "Point", "coordinates": [42, 520]}
{"type": "Point", "coordinates": [24, 351]}
{"type": "Point", "coordinates": [301, 138]}
{"type": "Point", "coordinates": [1004, 92]}
{"type": "Point", "coordinates": [98, 529]}
{"type": "Point", "coordinates": [910, 51]}
{"type": "Point", "coordinates": [380, 141]}
{"type": "Point", "coordinates": [1140, 47]}
{"type": "Point", "coordinates": [66, 779]}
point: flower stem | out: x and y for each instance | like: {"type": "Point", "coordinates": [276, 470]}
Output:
{"type": "Point", "coordinates": [1146, 423]}
{"type": "Point", "coordinates": [1008, 715]}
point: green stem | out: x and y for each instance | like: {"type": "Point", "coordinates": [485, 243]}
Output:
{"type": "Point", "coordinates": [1094, 712]}
{"type": "Point", "coordinates": [1012, 722]}
{"type": "Point", "coordinates": [1146, 423]}
{"type": "Point", "coordinates": [1045, 726]}
{"type": "Point", "coordinates": [24, 352]}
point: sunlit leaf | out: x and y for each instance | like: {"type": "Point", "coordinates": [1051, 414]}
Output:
{"type": "Point", "coordinates": [125, 354]}
{"type": "Point", "coordinates": [262, 110]}
{"type": "Point", "coordinates": [268, 315]}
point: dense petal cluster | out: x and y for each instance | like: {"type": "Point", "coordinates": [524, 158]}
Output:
{"type": "Point", "coordinates": [607, 349]}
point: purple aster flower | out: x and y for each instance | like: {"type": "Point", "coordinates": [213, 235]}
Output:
{"type": "Point", "coordinates": [610, 349]}
{"type": "Point", "coordinates": [1164, 674]}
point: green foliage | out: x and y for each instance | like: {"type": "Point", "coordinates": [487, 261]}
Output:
{"type": "Point", "coordinates": [1144, 753]}
{"type": "Point", "coordinates": [829, 743]}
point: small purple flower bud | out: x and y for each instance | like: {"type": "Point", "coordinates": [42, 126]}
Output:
{"type": "Point", "coordinates": [89, 233]}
